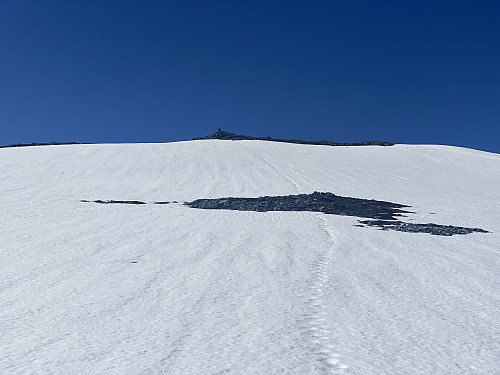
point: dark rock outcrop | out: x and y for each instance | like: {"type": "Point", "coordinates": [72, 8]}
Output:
{"type": "Point", "coordinates": [382, 214]}
{"type": "Point", "coordinates": [327, 203]}
{"type": "Point", "coordinates": [435, 229]}
{"type": "Point", "coordinates": [113, 202]}
{"type": "Point", "coordinates": [221, 134]}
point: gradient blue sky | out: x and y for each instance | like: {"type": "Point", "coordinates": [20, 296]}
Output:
{"type": "Point", "coordinates": [159, 71]}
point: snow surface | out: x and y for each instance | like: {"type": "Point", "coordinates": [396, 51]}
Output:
{"type": "Point", "coordinates": [167, 289]}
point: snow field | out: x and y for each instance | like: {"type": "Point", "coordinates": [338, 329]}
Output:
{"type": "Point", "coordinates": [166, 289]}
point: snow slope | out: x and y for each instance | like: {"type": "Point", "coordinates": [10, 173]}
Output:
{"type": "Point", "coordinates": [167, 289]}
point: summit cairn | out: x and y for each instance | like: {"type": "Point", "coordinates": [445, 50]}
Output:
{"type": "Point", "coordinates": [224, 135]}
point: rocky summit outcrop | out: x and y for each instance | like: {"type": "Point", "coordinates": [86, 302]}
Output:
{"type": "Point", "coordinates": [224, 135]}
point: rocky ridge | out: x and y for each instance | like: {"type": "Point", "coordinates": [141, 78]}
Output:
{"type": "Point", "coordinates": [224, 135]}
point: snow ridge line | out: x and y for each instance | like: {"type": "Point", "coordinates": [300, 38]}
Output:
{"type": "Point", "coordinates": [327, 361]}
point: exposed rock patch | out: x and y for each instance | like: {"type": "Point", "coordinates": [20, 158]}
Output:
{"type": "Point", "coordinates": [383, 214]}
{"type": "Point", "coordinates": [327, 203]}
{"type": "Point", "coordinates": [114, 202]}
{"type": "Point", "coordinates": [435, 229]}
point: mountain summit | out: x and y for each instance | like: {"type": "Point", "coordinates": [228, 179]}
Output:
{"type": "Point", "coordinates": [224, 135]}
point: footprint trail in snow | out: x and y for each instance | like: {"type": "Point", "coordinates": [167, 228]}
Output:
{"type": "Point", "coordinates": [322, 340]}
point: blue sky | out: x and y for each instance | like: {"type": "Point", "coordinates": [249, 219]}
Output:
{"type": "Point", "coordinates": [159, 71]}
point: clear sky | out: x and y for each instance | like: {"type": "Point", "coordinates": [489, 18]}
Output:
{"type": "Point", "coordinates": [158, 71]}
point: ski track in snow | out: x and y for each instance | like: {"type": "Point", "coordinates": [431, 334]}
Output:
{"type": "Point", "coordinates": [275, 169]}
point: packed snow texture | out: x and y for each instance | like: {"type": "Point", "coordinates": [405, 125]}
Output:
{"type": "Point", "coordinates": [167, 289]}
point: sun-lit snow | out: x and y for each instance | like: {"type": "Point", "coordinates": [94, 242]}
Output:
{"type": "Point", "coordinates": [168, 289]}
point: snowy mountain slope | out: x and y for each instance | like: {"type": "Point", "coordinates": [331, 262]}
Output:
{"type": "Point", "coordinates": [168, 289]}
